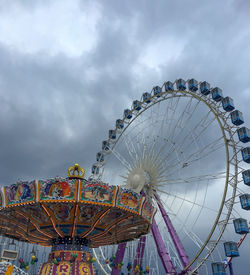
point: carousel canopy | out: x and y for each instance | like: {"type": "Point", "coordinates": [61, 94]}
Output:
{"type": "Point", "coordinates": [72, 209]}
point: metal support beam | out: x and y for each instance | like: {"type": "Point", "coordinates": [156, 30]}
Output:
{"type": "Point", "coordinates": [118, 258]}
{"type": "Point", "coordinates": [139, 252]}
{"type": "Point", "coordinates": [162, 251]}
{"type": "Point", "coordinates": [231, 268]}
{"type": "Point", "coordinates": [178, 245]}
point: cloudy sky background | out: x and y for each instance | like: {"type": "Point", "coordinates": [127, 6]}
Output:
{"type": "Point", "coordinates": [68, 69]}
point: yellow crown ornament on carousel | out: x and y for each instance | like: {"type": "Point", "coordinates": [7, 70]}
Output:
{"type": "Point", "coordinates": [76, 172]}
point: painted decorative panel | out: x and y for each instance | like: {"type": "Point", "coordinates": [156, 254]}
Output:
{"type": "Point", "coordinates": [97, 192]}
{"type": "Point", "coordinates": [57, 189]}
{"type": "Point", "coordinates": [35, 213]}
{"type": "Point", "coordinates": [130, 200]}
{"type": "Point", "coordinates": [114, 215]}
{"type": "Point", "coordinates": [148, 211]}
{"type": "Point", "coordinates": [63, 212]}
{"type": "Point", "coordinates": [22, 192]}
{"type": "Point", "coordinates": [88, 214]}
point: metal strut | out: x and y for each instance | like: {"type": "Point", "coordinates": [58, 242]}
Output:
{"type": "Point", "coordinates": [178, 245]}
{"type": "Point", "coordinates": [162, 251]}
{"type": "Point", "coordinates": [139, 252]}
{"type": "Point", "coordinates": [118, 258]}
{"type": "Point", "coordinates": [231, 268]}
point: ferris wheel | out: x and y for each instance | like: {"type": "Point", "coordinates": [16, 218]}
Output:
{"type": "Point", "coordinates": [183, 146]}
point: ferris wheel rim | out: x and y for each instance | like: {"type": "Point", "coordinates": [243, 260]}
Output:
{"type": "Point", "coordinates": [220, 121]}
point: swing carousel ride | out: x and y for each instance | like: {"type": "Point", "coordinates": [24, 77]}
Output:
{"type": "Point", "coordinates": [72, 215]}
{"type": "Point", "coordinates": [177, 170]}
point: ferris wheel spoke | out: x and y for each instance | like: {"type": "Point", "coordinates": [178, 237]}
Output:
{"type": "Point", "coordinates": [175, 238]}
{"type": "Point", "coordinates": [163, 121]}
{"type": "Point", "coordinates": [122, 160]}
{"type": "Point", "coordinates": [132, 152]}
{"type": "Point", "coordinates": [191, 235]}
{"type": "Point", "coordinates": [195, 238]}
{"type": "Point", "coordinates": [183, 118]}
{"type": "Point", "coordinates": [173, 108]}
{"type": "Point", "coordinates": [191, 133]}
{"type": "Point", "coordinates": [182, 143]}
{"type": "Point", "coordinates": [187, 215]}
{"type": "Point", "coordinates": [186, 200]}
{"type": "Point", "coordinates": [172, 250]}
{"type": "Point", "coordinates": [198, 178]}
{"type": "Point", "coordinates": [154, 113]}
{"type": "Point", "coordinates": [199, 154]}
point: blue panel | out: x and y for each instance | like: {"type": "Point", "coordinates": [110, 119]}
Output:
{"type": "Point", "coordinates": [244, 134]}
{"type": "Point", "coordinates": [169, 86]}
{"type": "Point", "coordinates": [127, 114]}
{"type": "Point", "coordinates": [105, 145]}
{"type": "Point", "coordinates": [228, 104]}
{"type": "Point", "coordinates": [246, 154]}
{"type": "Point", "coordinates": [65, 230]}
{"type": "Point", "coordinates": [181, 84]}
{"type": "Point", "coordinates": [231, 249]}
{"type": "Point", "coordinates": [237, 117]}
{"type": "Point", "coordinates": [95, 169]}
{"type": "Point", "coordinates": [99, 157]}
{"type": "Point", "coordinates": [137, 105]}
{"type": "Point", "coordinates": [146, 97]}
{"type": "Point", "coordinates": [205, 88]}
{"type": "Point", "coordinates": [80, 230]}
{"type": "Point", "coordinates": [193, 85]}
{"type": "Point", "coordinates": [246, 177]}
{"type": "Point", "coordinates": [119, 124]}
{"type": "Point", "coordinates": [112, 134]}
{"type": "Point", "coordinates": [217, 94]}
{"type": "Point", "coordinates": [157, 91]}
{"type": "Point", "coordinates": [241, 226]}
{"type": "Point", "coordinates": [245, 201]}
{"type": "Point", "coordinates": [218, 268]}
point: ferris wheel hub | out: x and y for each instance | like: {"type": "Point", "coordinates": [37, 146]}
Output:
{"type": "Point", "coordinates": [136, 180]}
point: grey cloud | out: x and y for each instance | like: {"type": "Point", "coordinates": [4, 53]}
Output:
{"type": "Point", "coordinates": [55, 109]}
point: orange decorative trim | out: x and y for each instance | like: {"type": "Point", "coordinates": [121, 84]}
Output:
{"type": "Point", "coordinates": [5, 196]}
{"type": "Point", "coordinates": [66, 201]}
{"type": "Point", "coordinates": [39, 188]}
{"type": "Point", "coordinates": [32, 221]}
{"type": "Point", "coordinates": [97, 203]}
{"type": "Point", "coordinates": [111, 226]}
{"type": "Point", "coordinates": [22, 234]}
{"type": "Point", "coordinates": [114, 196]}
{"type": "Point", "coordinates": [105, 212]}
{"type": "Point", "coordinates": [74, 220]}
{"type": "Point", "coordinates": [116, 237]}
{"type": "Point", "coordinates": [53, 224]}
{"type": "Point", "coordinates": [8, 229]}
{"type": "Point", "coordinates": [77, 184]}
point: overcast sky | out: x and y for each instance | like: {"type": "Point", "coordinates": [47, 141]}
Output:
{"type": "Point", "coordinates": [68, 69]}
